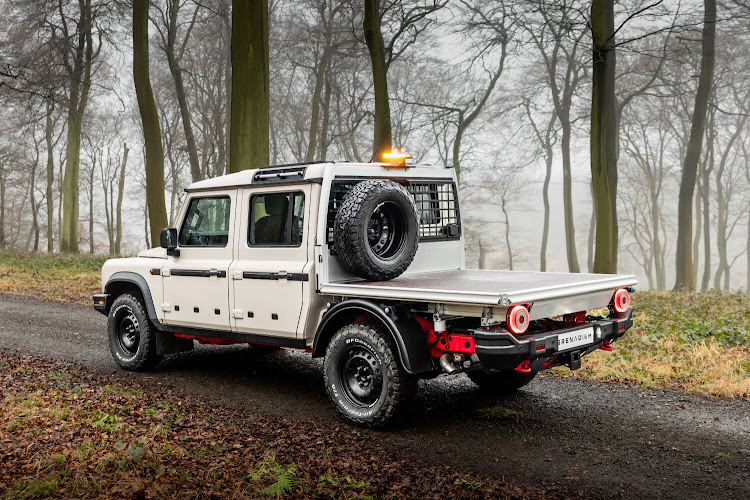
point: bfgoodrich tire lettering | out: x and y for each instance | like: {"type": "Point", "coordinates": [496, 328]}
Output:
{"type": "Point", "coordinates": [502, 382]}
{"type": "Point", "coordinates": [376, 230]}
{"type": "Point", "coordinates": [132, 337]}
{"type": "Point", "coordinates": [363, 377]}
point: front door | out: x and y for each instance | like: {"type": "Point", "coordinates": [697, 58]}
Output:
{"type": "Point", "coordinates": [270, 272]}
{"type": "Point", "coordinates": [196, 284]}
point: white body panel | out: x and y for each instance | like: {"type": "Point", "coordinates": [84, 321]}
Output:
{"type": "Point", "coordinates": [269, 306]}
{"type": "Point", "coordinates": [198, 301]}
{"type": "Point", "coordinates": [293, 308]}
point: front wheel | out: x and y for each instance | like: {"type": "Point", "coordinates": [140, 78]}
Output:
{"type": "Point", "coordinates": [132, 337]}
{"type": "Point", "coordinates": [363, 377]}
{"type": "Point", "coordinates": [502, 382]}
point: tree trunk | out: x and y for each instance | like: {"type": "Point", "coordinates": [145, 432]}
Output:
{"type": "Point", "coordinates": [570, 230]}
{"type": "Point", "coordinates": [91, 211]}
{"type": "Point", "coordinates": [157, 211]}
{"type": "Point", "coordinates": [545, 200]}
{"type": "Point", "coordinates": [249, 141]}
{"type": "Point", "coordinates": [48, 131]}
{"type": "Point", "coordinates": [698, 232]}
{"type": "Point", "coordinates": [684, 260]}
{"type": "Point", "coordinates": [326, 123]}
{"type": "Point", "coordinates": [79, 90]}
{"type": "Point", "coordinates": [32, 195]}
{"type": "Point", "coordinates": [179, 85]}
{"type": "Point", "coordinates": [592, 234]}
{"type": "Point", "coordinates": [2, 205]}
{"type": "Point", "coordinates": [603, 150]}
{"type": "Point", "coordinates": [320, 81]}
{"type": "Point", "coordinates": [747, 255]}
{"type": "Point", "coordinates": [507, 234]}
{"type": "Point", "coordinates": [120, 193]}
{"type": "Point", "coordinates": [226, 17]}
{"type": "Point", "coordinates": [382, 142]}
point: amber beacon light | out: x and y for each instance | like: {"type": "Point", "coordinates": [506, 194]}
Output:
{"type": "Point", "coordinates": [396, 158]}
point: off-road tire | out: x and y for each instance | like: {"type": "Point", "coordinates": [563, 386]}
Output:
{"type": "Point", "coordinates": [502, 382]}
{"type": "Point", "coordinates": [353, 220]}
{"type": "Point", "coordinates": [360, 340]}
{"type": "Point", "coordinates": [142, 355]}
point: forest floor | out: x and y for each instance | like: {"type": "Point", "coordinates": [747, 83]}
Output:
{"type": "Point", "coordinates": [66, 432]}
{"type": "Point", "coordinates": [697, 342]}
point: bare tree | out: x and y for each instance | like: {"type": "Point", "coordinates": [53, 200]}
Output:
{"type": "Point", "coordinates": [684, 260]}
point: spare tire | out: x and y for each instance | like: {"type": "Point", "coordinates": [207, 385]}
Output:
{"type": "Point", "coordinates": [376, 230]}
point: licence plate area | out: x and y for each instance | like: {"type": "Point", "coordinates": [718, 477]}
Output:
{"type": "Point", "coordinates": [574, 339]}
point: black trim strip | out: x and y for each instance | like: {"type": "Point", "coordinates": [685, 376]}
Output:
{"type": "Point", "coordinates": [198, 273]}
{"type": "Point", "coordinates": [276, 276]}
{"type": "Point", "coordinates": [241, 337]}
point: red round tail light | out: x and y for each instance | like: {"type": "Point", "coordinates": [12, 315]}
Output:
{"type": "Point", "coordinates": [517, 320]}
{"type": "Point", "coordinates": [621, 300]}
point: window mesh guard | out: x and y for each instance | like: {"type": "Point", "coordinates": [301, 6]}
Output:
{"type": "Point", "coordinates": [436, 205]}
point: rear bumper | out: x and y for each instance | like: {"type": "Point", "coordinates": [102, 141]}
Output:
{"type": "Point", "coordinates": [500, 350]}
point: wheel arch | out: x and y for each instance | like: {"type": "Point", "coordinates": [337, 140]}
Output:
{"type": "Point", "coordinates": [130, 282]}
{"type": "Point", "coordinates": [413, 351]}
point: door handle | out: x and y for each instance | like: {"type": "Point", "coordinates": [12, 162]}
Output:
{"type": "Point", "coordinates": [276, 276]}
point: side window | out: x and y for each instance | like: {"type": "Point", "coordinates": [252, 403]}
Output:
{"type": "Point", "coordinates": [206, 223]}
{"type": "Point", "coordinates": [276, 219]}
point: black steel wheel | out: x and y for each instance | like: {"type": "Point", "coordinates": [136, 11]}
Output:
{"type": "Point", "coordinates": [376, 230]}
{"type": "Point", "coordinates": [360, 375]}
{"type": "Point", "coordinates": [363, 376]}
{"type": "Point", "coordinates": [132, 337]}
{"type": "Point", "coordinates": [128, 333]}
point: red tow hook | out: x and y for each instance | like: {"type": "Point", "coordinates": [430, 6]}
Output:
{"type": "Point", "coordinates": [606, 346]}
{"type": "Point", "coordinates": [523, 367]}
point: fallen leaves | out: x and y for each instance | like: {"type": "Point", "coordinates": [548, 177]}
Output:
{"type": "Point", "coordinates": [69, 433]}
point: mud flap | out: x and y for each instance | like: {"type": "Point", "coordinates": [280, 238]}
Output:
{"type": "Point", "coordinates": [166, 343]}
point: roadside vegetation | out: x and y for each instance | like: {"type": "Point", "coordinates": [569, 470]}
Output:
{"type": "Point", "coordinates": [66, 433]}
{"type": "Point", "coordinates": [698, 342]}
{"type": "Point", "coordinates": [59, 276]}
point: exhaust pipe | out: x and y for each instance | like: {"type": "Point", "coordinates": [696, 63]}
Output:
{"type": "Point", "coordinates": [446, 363]}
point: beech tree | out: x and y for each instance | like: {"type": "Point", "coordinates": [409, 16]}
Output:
{"type": "Point", "coordinates": [684, 256]}
{"type": "Point", "coordinates": [154, 153]}
{"type": "Point", "coordinates": [249, 133]}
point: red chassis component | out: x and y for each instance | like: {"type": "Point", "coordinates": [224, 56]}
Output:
{"type": "Point", "coordinates": [441, 342]}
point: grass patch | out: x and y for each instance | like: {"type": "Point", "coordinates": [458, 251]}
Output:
{"type": "Point", "coordinates": [698, 342]}
{"type": "Point", "coordinates": [59, 277]}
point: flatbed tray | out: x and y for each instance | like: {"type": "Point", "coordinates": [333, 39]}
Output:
{"type": "Point", "coordinates": [481, 286]}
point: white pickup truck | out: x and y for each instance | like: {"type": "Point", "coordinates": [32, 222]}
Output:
{"type": "Point", "coordinates": [362, 264]}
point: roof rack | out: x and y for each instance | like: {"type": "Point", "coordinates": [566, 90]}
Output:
{"type": "Point", "coordinates": [293, 164]}
{"type": "Point", "coordinates": [292, 172]}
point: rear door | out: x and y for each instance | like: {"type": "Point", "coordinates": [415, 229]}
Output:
{"type": "Point", "coordinates": [272, 256]}
{"type": "Point", "coordinates": [196, 284]}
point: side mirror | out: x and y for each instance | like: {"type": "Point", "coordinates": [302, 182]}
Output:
{"type": "Point", "coordinates": [168, 240]}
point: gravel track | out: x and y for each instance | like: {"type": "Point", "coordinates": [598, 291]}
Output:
{"type": "Point", "coordinates": [574, 436]}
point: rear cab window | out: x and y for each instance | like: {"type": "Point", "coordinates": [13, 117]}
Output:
{"type": "Point", "coordinates": [276, 219]}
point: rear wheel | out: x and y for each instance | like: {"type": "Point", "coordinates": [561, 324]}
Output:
{"type": "Point", "coordinates": [363, 377]}
{"type": "Point", "coordinates": [502, 382]}
{"type": "Point", "coordinates": [132, 337]}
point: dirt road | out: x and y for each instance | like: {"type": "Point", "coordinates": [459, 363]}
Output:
{"type": "Point", "coordinates": [601, 440]}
